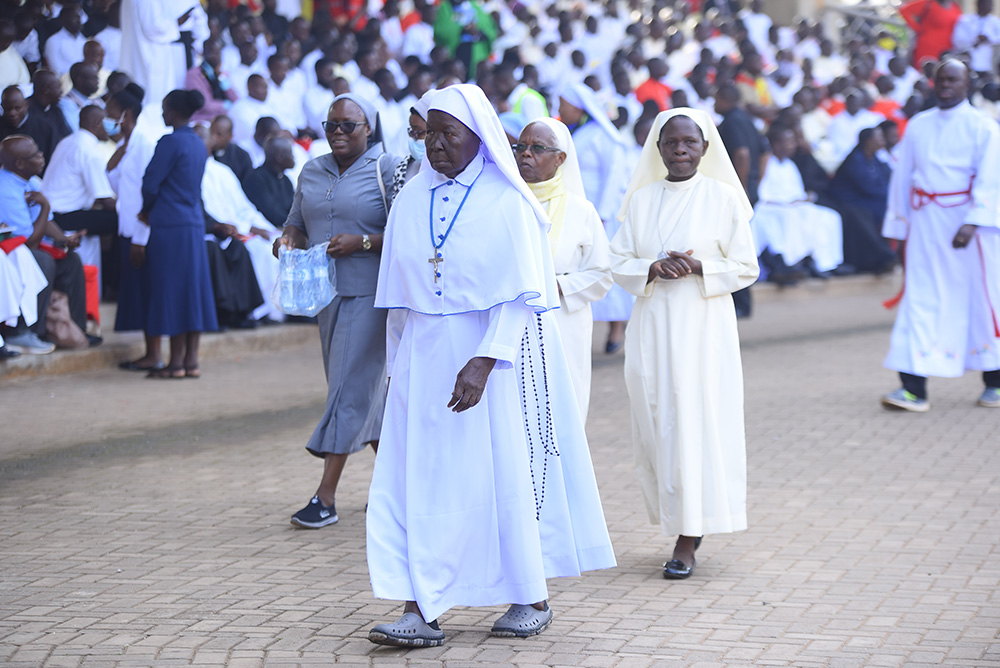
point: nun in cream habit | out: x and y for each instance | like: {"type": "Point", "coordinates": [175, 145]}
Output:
{"type": "Point", "coordinates": [682, 354]}
{"type": "Point", "coordinates": [547, 160]}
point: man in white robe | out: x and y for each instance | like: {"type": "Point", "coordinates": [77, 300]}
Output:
{"type": "Point", "coordinates": [149, 28]}
{"type": "Point", "coordinates": [468, 473]}
{"type": "Point", "coordinates": [246, 111]}
{"type": "Point", "coordinates": [546, 159]}
{"type": "Point", "coordinates": [785, 220]}
{"type": "Point", "coordinates": [943, 202]}
{"type": "Point", "coordinates": [226, 202]}
{"type": "Point", "coordinates": [684, 247]}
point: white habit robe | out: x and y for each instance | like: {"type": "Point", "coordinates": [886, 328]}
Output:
{"type": "Point", "coordinates": [455, 516]}
{"type": "Point", "coordinates": [581, 258]}
{"type": "Point", "coordinates": [948, 315]}
{"type": "Point", "coordinates": [682, 353]}
{"type": "Point", "coordinates": [788, 225]}
{"type": "Point", "coordinates": [149, 27]}
{"type": "Point", "coordinates": [21, 281]}
{"type": "Point", "coordinates": [226, 202]}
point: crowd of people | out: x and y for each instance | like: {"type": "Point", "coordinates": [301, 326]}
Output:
{"type": "Point", "coordinates": [812, 128]}
{"type": "Point", "coordinates": [166, 154]}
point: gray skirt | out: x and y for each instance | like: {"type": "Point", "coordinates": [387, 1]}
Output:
{"type": "Point", "coordinates": [352, 333]}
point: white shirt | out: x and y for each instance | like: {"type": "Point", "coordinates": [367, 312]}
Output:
{"type": "Point", "coordinates": [287, 101]}
{"type": "Point", "coordinates": [111, 39]}
{"type": "Point", "coordinates": [418, 41]}
{"type": "Point", "coordinates": [76, 175]}
{"type": "Point", "coordinates": [317, 105]}
{"type": "Point", "coordinates": [13, 71]}
{"type": "Point", "coordinates": [844, 128]}
{"type": "Point", "coordinates": [63, 50]}
{"type": "Point", "coordinates": [28, 48]}
{"type": "Point", "coordinates": [245, 113]}
{"type": "Point", "coordinates": [967, 31]}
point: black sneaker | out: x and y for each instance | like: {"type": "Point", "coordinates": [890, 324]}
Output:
{"type": "Point", "coordinates": [315, 515]}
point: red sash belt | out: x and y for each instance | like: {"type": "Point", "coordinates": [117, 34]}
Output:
{"type": "Point", "coordinates": [919, 198]}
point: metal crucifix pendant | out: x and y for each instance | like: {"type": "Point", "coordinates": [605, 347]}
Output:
{"type": "Point", "coordinates": [436, 260]}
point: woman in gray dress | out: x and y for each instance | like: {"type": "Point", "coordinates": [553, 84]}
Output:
{"type": "Point", "coordinates": [341, 200]}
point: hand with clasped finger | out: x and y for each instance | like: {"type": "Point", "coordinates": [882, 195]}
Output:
{"type": "Point", "coordinates": [471, 383]}
{"type": "Point", "coordinates": [675, 265]}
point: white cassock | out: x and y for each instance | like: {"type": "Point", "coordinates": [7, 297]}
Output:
{"type": "Point", "coordinates": [149, 27]}
{"type": "Point", "coordinates": [947, 318]}
{"type": "Point", "coordinates": [126, 177]}
{"type": "Point", "coordinates": [682, 354]}
{"type": "Point", "coordinates": [581, 258]}
{"type": "Point", "coordinates": [21, 281]}
{"type": "Point", "coordinates": [603, 167]}
{"type": "Point", "coordinates": [460, 512]}
{"type": "Point", "coordinates": [226, 202]}
{"type": "Point", "coordinates": [788, 225]}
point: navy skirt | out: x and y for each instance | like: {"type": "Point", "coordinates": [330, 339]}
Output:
{"type": "Point", "coordinates": [180, 286]}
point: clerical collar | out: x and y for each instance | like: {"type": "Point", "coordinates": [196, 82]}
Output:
{"type": "Point", "coordinates": [465, 178]}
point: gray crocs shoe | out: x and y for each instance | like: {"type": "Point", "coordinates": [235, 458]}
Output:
{"type": "Point", "coordinates": [410, 630]}
{"type": "Point", "coordinates": [522, 621]}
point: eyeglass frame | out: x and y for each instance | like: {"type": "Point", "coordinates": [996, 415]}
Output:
{"type": "Point", "coordinates": [340, 125]}
{"type": "Point", "coordinates": [413, 134]}
{"type": "Point", "coordinates": [534, 149]}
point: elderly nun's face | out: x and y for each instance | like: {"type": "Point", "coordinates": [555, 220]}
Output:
{"type": "Point", "coordinates": [347, 146]}
{"type": "Point", "coordinates": [537, 155]}
{"type": "Point", "coordinates": [450, 145]}
{"type": "Point", "coordinates": [682, 147]}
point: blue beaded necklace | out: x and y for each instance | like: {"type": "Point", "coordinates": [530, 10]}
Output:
{"type": "Point", "coordinates": [438, 257]}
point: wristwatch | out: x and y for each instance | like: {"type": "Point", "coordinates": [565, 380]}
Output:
{"type": "Point", "coordinates": [366, 242]}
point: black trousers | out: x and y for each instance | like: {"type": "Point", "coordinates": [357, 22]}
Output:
{"type": "Point", "coordinates": [234, 283]}
{"type": "Point", "coordinates": [65, 275]}
{"type": "Point", "coordinates": [97, 222]}
{"type": "Point", "coordinates": [917, 385]}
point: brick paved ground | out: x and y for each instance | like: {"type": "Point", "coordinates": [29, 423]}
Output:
{"type": "Point", "coordinates": [145, 524]}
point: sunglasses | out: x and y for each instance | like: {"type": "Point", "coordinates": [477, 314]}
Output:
{"type": "Point", "coordinates": [347, 127]}
{"type": "Point", "coordinates": [536, 149]}
{"type": "Point", "coordinates": [417, 134]}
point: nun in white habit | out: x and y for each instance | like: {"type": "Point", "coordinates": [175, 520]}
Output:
{"type": "Point", "coordinates": [546, 158]}
{"type": "Point", "coordinates": [467, 468]}
{"type": "Point", "coordinates": [684, 247]}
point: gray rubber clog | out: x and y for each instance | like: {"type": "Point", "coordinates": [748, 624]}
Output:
{"type": "Point", "coordinates": [522, 621]}
{"type": "Point", "coordinates": [410, 630]}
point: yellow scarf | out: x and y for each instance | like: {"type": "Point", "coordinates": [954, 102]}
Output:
{"type": "Point", "coordinates": [553, 197]}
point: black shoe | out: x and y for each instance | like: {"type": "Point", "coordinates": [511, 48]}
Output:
{"type": "Point", "coordinates": [94, 341]}
{"type": "Point", "coordinates": [676, 570]}
{"type": "Point", "coordinates": [612, 347]}
{"type": "Point", "coordinates": [315, 515]}
{"type": "Point", "coordinates": [6, 353]}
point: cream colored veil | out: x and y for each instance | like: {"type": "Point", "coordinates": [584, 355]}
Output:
{"type": "Point", "coordinates": [715, 164]}
{"type": "Point", "coordinates": [572, 181]}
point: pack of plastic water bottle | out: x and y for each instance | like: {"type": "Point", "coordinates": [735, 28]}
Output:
{"type": "Point", "coordinates": [305, 282]}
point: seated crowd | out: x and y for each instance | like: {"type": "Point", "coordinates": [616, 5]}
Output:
{"type": "Point", "coordinates": [810, 126]}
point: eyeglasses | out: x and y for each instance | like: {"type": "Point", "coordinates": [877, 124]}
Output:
{"type": "Point", "coordinates": [416, 134]}
{"type": "Point", "coordinates": [536, 149]}
{"type": "Point", "coordinates": [347, 127]}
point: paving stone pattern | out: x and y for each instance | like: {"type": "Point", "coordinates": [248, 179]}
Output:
{"type": "Point", "coordinates": [873, 536]}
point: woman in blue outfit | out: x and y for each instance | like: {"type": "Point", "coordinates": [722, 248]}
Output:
{"type": "Point", "coordinates": [180, 303]}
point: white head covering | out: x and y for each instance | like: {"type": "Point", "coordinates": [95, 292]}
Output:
{"type": "Point", "coordinates": [582, 97]}
{"type": "Point", "coordinates": [572, 181]}
{"type": "Point", "coordinates": [469, 105]}
{"type": "Point", "coordinates": [715, 163]}
{"type": "Point", "coordinates": [423, 104]}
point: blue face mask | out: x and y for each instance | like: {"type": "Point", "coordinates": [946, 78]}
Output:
{"type": "Point", "coordinates": [111, 126]}
{"type": "Point", "coordinates": [417, 149]}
